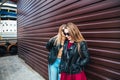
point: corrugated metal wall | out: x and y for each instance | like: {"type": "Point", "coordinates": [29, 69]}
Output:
{"type": "Point", "coordinates": [98, 20]}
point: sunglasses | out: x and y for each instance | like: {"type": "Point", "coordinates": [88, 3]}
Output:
{"type": "Point", "coordinates": [66, 33]}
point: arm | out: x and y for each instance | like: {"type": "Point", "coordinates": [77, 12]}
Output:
{"type": "Point", "coordinates": [50, 44]}
{"type": "Point", "coordinates": [84, 53]}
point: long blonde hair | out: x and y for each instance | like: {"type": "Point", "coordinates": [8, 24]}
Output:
{"type": "Point", "coordinates": [75, 33]}
{"type": "Point", "coordinates": [58, 40]}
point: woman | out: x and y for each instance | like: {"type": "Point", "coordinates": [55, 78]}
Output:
{"type": "Point", "coordinates": [75, 54]}
{"type": "Point", "coordinates": [55, 46]}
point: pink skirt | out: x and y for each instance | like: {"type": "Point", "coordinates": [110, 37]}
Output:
{"type": "Point", "coordinates": [78, 76]}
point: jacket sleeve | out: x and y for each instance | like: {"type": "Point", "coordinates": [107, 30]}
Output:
{"type": "Point", "coordinates": [50, 44]}
{"type": "Point", "coordinates": [84, 54]}
{"type": "Point", "coordinates": [61, 66]}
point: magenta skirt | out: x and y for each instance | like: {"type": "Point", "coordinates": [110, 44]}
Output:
{"type": "Point", "coordinates": [78, 76]}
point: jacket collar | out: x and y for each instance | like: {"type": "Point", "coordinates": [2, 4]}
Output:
{"type": "Point", "coordinates": [72, 47]}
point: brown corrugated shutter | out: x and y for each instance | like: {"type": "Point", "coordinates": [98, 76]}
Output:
{"type": "Point", "coordinates": [98, 20]}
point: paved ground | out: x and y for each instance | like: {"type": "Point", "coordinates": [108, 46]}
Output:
{"type": "Point", "coordinates": [14, 68]}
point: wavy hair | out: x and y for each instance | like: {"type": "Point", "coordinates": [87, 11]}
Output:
{"type": "Point", "coordinates": [58, 40]}
{"type": "Point", "coordinates": [75, 33]}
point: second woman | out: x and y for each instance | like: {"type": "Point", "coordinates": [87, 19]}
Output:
{"type": "Point", "coordinates": [55, 47]}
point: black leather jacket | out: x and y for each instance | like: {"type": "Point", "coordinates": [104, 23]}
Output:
{"type": "Point", "coordinates": [53, 50]}
{"type": "Point", "coordinates": [71, 62]}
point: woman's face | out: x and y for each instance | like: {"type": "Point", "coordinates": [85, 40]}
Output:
{"type": "Point", "coordinates": [67, 34]}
